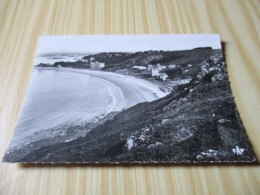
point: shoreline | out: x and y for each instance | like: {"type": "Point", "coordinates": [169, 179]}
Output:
{"type": "Point", "coordinates": [142, 89]}
{"type": "Point", "coordinates": [149, 91]}
{"type": "Point", "coordinates": [159, 92]}
{"type": "Point", "coordinates": [63, 134]}
{"type": "Point", "coordinates": [110, 73]}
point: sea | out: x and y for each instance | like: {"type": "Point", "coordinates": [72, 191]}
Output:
{"type": "Point", "coordinates": [56, 98]}
{"type": "Point", "coordinates": [52, 58]}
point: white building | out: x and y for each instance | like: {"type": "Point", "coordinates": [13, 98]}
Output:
{"type": "Point", "coordinates": [97, 65]}
{"type": "Point", "coordinates": [155, 72]}
{"type": "Point", "coordinates": [101, 65]}
{"type": "Point", "coordinates": [92, 59]}
{"type": "Point", "coordinates": [163, 76]}
{"type": "Point", "coordinates": [139, 67]}
{"type": "Point", "coordinates": [172, 66]}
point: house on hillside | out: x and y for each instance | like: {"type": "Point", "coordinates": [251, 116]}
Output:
{"type": "Point", "coordinates": [163, 76]}
{"type": "Point", "coordinates": [96, 65]}
{"type": "Point", "coordinates": [155, 72]}
{"type": "Point", "coordinates": [91, 59]}
{"type": "Point", "coordinates": [102, 65]}
{"type": "Point", "coordinates": [139, 67]}
{"type": "Point", "coordinates": [171, 66]}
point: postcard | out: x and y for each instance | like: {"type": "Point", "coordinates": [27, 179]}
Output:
{"type": "Point", "coordinates": [129, 99]}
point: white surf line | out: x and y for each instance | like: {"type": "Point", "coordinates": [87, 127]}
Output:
{"type": "Point", "coordinates": [118, 98]}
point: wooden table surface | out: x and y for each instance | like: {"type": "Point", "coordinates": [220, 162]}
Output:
{"type": "Point", "coordinates": [238, 23]}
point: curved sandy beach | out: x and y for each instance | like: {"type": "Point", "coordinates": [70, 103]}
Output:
{"type": "Point", "coordinates": [134, 90]}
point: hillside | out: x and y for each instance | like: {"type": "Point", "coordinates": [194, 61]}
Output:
{"type": "Point", "coordinates": [198, 122]}
{"type": "Point", "coordinates": [178, 66]}
{"type": "Point", "coordinates": [119, 61]}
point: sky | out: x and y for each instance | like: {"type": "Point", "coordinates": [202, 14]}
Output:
{"type": "Point", "coordinates": [123, 43]}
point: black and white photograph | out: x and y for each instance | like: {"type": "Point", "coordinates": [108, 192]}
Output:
{"type": "Point", "coordinates": [129, 99]}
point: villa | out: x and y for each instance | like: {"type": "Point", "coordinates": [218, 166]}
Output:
{"type": "Point", "coordinates": [163, 76]}
{"type": "Point", "coordinates": [171, 66]}
{"type": "Point", "coordinates": [155, 72]}
{"type": "Point", "coordinates": [97, 65]}
{"type": "Point", "coordinates": [139, 67]}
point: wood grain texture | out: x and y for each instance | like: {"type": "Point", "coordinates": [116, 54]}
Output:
{"type": "Point", "coordinates": [238, 23]}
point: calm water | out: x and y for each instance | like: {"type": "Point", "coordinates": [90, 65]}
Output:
{"type": "Point", "coordinates": [57, 97]}
{"type": "Point", "coordinates": [57, 58]}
